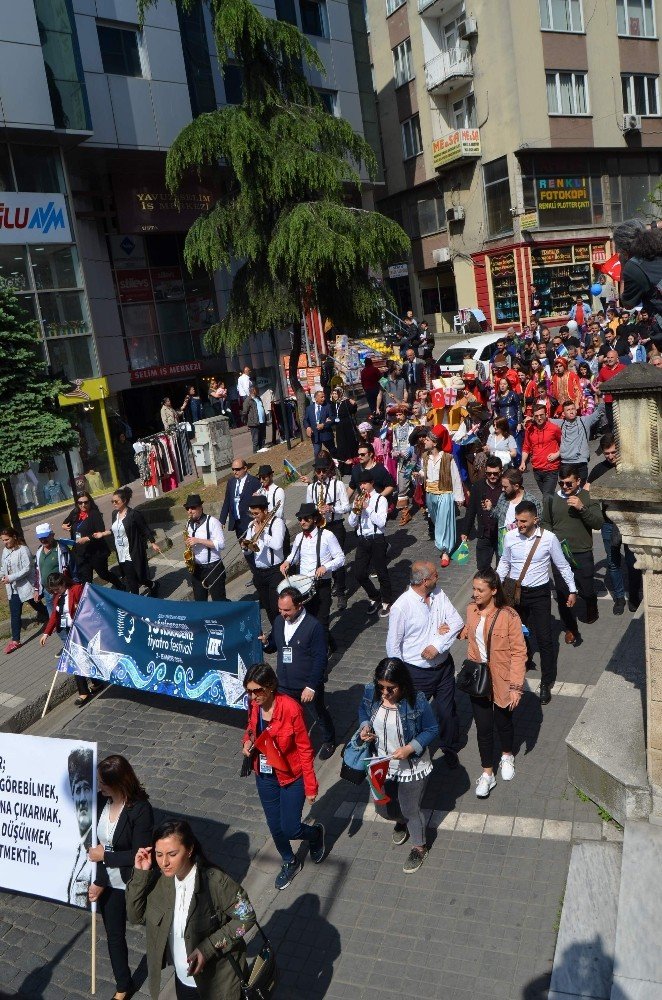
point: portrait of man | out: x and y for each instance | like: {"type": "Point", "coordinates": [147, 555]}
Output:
{"type": "Point", "coordinates": [81, 781]}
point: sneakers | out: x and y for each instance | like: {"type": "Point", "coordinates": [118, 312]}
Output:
{"type": "Point", "coordinates": [415, 860]}
{"type": "Point", "coordinates": [507, 766]}
{"type": "Point", "coordinates": [12, 645]}
{"type": "Point", "coordinates": [373, 607]}
{"type": "Point", "coordinates": [342, 602]}
{"type": "Point", "coordinates": [400, 834]}
{"type": "Point", "coordinates": [484, 785]}
{"type": "Point", "coordinates": [318, 849]}
{"type": "Point", "coordinates": [384, 611]}
{"type": "Point", "coordinates": [619, 606]}
{"type": "Point", "coordinates": [326, 751]}
{"type": "Point", "coordinates": [287, 874]}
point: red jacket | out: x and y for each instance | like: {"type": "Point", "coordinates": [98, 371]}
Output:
{"type": "Point", "coordinates": [74, 594]}
{"type": "Point", "coordinates": [289, 733]}
{"type": "Point", "coordinates": [539, 442]}
{"type": "Point", "coordinates": [605, 374]}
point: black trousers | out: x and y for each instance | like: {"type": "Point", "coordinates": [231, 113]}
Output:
{"type": "Point", "coordinates": [438, 683]}
{"type": "Point", "coordinates": [320, 605]}
{"type": "Point", "coordinates": [318, 707]}
{"type": "Point", "coordinates": [338, 529]}
{"type": "Point", "coordinates": [371, 551]}
{"type": "Point", "coordinates": [258, 435]}
{"type": "Point", "coordinates": [546, 482]}
{"type": "Point", "coordinates": [535, 610]}
{"type": "Point", "coordinates": [129, 579]}
{"type": "Point", "coordinates": [113, 912]}
{"type": "Point", "coordinates": [266, 582]}
{"type": "Point", "coordinates": [486, 550]}
{"type": "Point", "coordinates": [183, 992]}
{"type": "Point", "coordinates": [98, 564]}
{"type": "Point", "coordinates": [584, 574]}
{"type": "Point", "coordinates": [487, 715]}
{"type": "Point", "coordinates": [214, 574]}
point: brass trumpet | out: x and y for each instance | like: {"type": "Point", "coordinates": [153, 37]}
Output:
{"type": "Point", "coordinates": [250, 544]}
{"type": "Point", "coordinates": [320, 504]}
{"type": "Point", "coordinates": [359, 503]}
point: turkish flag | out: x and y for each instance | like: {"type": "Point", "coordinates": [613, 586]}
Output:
{"type": "Point", "coordinates": [612, 267]}
{"type": "Point", "coordinates": [438, 399]}
{"type": "Point", "coordinates": [377, 773]}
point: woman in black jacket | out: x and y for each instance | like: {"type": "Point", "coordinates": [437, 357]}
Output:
{"type": "Point", "coordinates": [86, 528]}
{"type": "Point", "coordinates": [125, 824]}
{"type": "Point", "coordinates": [130, 533]}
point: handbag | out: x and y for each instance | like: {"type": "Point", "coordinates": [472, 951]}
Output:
{"type": "Point", "coordinates": [260, 980]}
{"type": "Point", "coordinates": [512, 589]}
{"type": "Point", "coordinates": [474, 676]}
{"type": "Point", "coordinates": [354, 755]}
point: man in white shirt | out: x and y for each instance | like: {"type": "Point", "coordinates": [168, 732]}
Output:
{"type": "Point", "coordinates": [244, 383]}
{"type": "Point", "coordinates": [368, 517]}
{"type": "Point", "coordinates": [275, 494]}
{"type": "Point", "coordinates": [269, 530]}
{"type": "Point", "coordinates": [206, 541]}
{"type": "Point", "coordinates": [317, 553]}
{"type": "Point", "coordinates": [329, 495]}
{"type": "Point", "coordinates": [535, 604]}
{"type": "Point", "coordinates": [422, 627]}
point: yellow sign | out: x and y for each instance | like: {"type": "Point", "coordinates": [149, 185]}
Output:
{"type": "Point", "coordinates": [529, 220]}
{"type": "Point", "coordinates": [82, 390]}
{"type": "Point", "coordinates": [463, 143]}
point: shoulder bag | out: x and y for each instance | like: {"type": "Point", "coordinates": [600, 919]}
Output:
{"type": "Point", "coordinates": [512, 589]}
{"type": "Point", "coordinates": [354, 755]}
{"type": "Point", "coordinates": [474, 676]}
{"type": "Point", "coordinates": [258, 983]}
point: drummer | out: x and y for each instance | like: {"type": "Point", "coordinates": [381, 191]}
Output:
{"type": "Point", "coordinates": [267, 531]}
{"type": "Point", "coordinates": [329, 495]}
{"type": "Point", "coordinates": [317, 553]}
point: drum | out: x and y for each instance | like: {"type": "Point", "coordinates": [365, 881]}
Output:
{"type": "Point", "coordinates": [304, 584]}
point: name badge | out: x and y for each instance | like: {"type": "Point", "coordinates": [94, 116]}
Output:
{"type": "Point", "coordinates": [264, 767]}
{"type": "Point", "coordinates": [287, 654]}
{"type": "Point", "coordinates": [337, 420]}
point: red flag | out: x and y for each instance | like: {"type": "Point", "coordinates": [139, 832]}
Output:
{"type": "Point", "coordinates": [612, 267]}
{"type": "Point", "coordinates": [438, 399]}
{"type": "Point", "coordinates": [377, 773]}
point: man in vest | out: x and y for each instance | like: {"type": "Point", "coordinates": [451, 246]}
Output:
{"type": "Point", "coordinates": [206, 541]}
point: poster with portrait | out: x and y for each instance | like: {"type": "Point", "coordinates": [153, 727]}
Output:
{"type": "Point", "coordinates": [48, 821]}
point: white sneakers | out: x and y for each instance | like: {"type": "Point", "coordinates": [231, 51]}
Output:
{"type": "Point", "coordinates": [484, 785]}
{"type": "Point", "coordinates": [507, 767]}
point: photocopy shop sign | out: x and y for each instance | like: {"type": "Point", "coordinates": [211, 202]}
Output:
{"type": "Point", "coordinates": [563, 201]}
{"type": "Point", "coordinates": [33, 218]}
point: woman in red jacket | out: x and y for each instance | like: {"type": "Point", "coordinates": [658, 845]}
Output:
{"type": "Point", "coordinates": [277, 744]}
{"type": "Point", "coordinates": [66, 598]}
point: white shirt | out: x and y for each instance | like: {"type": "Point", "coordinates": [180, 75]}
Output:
{"type": "Point", "coordinates": [201, 553]}
{"type": "Point", "coordinates": [271, 543]}
{"type": "Point", "coordinates": [480, 639]}
{"type": "Point", "coordinates": [372, 519]}
{"type": "Point", "coordinates": [238, 490]}
{"type": "Point", "coordinates": [413, 624]}
{"type": "Point", "coordinates": [289, 628]}
{"type": "Point", "coordinates": [105, 833]}
{"type": "Point", "coordinates": [432, 475]}
{"type": "Point", "coordinates": [304, 552]}
{"type": "Point", "coordinates": [331, 491]}
{"type": "Point", "coordinates": [244, 385]}
{"type": "Point", "coordinates": [121, 541]}
{"type": "Point", "coordinates": [509, 523]}
{"type": "Point", "coordinates": [273, 494]}
{"type": "Point", "coordinates": [183, 897]}
{"type": "Point", "coordinates": [388, 730]}
{"type": "Point", "coordinates": [515, 550]}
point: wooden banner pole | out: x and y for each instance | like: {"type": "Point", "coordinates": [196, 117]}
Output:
{"type": "Point", "coordinates": [48, 700]}
{"type": "Point", "coordinates": [93, 987]}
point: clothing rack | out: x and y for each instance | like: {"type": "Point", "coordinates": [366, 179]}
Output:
{"type": "Point", "coordinates": [164, 460]}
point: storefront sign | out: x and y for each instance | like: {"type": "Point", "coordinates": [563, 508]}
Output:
{"type": "Point", "coordinates": [168, 284]}
{"type": "Point", "coordinates": [151, 208]}
{"type": "Point", "coordinates": [563, 201]}
{"type": "Point", "coordinates": [552, 255]}
{"type": "Point", "coordinates": [505, 264]}
{"type": "Point", "coordinates": [33, 218]}
{"type": "Point", "coordinates": [398, 271]}
{"type": "Point", "coordinates": [582, 254]}
{"type": "Point", "coordinates": [528, 221]}
{"type": "Point", "coordinates": [598, 255]}
{"type": "Point", "coordinates": [84, 390]}
{"type": "Point", "coordinates": [166, 371]}
{"type": "Point", "coordinates": [309, 375]}
{"type": "Point", "coordinates": [134, 286]}
{"type": "Point", "coordinates": [463, 143]}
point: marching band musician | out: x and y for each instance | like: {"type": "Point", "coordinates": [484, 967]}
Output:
{"type": "Point", "coordinates": [329, 495]}
{"type": "Point", "coordinates": [267, 532]}
{"type": "Point", "coordinates": [318, 554]}
{"type": "Point", "coordinates": [206, 541]}
{"type": "Point", "coordinates": [275, 494]}
{"type": "Point", "coordinates": [368, 516]}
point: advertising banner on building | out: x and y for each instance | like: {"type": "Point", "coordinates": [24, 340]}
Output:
{"type": "Point", "coordinates": [148, 206]}
{"type": "Point", "coordinates": [33, 218]}
{"type": "Point", "coordinates": [48, 800]}
{"type": "Point", "coordinates": [563, 201]}
{"type": "Point", "coordinates": [462, 144]}
{"type": "Point", "coordinates": [190, 650]}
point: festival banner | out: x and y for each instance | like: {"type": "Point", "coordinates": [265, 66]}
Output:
{"type": "Point", "coordinates": [193, 650]}
{"type": "Point", "coordinates": [48, 820]}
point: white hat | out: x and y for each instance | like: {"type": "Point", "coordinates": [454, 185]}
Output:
{"type": "Point", "coordinates": [43, 530]}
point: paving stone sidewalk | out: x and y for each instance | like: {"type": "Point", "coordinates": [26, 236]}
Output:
{"type": "Point", "coordinates": [477, 921]}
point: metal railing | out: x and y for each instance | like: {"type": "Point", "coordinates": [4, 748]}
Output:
{"type": "Point", "coordinates": [448, 66]}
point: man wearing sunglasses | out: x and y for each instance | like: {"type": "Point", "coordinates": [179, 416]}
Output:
{"type": "Point", "coordinates": [487, 489]}
{"type": "Point", "coordinates": [238, 492]}
{"type": "Point", "coordinates": [573, 516]}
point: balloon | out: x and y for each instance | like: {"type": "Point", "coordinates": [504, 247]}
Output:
{"type": "Point", "coordinates": [573, 326]}
{"type": "Point", "coordinates": [596, 289]}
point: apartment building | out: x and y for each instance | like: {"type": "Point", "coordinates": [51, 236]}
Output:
{"type": "Point", "coordinates": [515, 134]}
{"type": "Point", "coordinates": [90, 238]}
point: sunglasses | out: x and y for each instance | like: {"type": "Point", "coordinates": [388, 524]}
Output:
{"type": "Point", "coordinates": [197, 507]}
{"type": "Point", "coordinates": [493, 475]}
{"type": "Point", "coordinates": [254, 692]}
{"type": "Point", "coordinates": [566, 482]}
{"type": "Point", "coordinates": [388, 688]}
{"type": "Point", "coordinates": [238, 468]}
{"type": "Point", "coordinates": [84, 503]}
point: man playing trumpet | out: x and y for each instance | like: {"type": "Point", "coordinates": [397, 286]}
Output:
{"type": "Point", "coordinates": [329, 495]}
{"type": "Point", "coordinates": [205, 540]}
{"type": "Point", "coordinates": [265, 537]}
{"type": "Point", "coordinates": [368, 517]}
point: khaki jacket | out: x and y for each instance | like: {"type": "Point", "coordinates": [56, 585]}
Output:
{"type": "Point", "coordinates": [507, 651]}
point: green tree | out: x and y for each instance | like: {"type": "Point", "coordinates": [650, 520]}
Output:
{"type": "Point", "coordinates": [290, 175]}
{"type": "Point", "coordinates": [30, 427]}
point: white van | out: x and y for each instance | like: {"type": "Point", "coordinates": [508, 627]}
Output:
{"type": "Point", "coordinates": [482, 348]}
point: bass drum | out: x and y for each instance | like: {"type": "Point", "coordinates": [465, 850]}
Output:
{"type": "Point", "coordinates": [304, 584]}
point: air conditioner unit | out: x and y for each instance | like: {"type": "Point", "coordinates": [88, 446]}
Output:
{"type": "Point", "coordinates": [632, 123]}
{"type": "Point", "coordinates": [442, 255]}
{"type": "Point", "coordinates": [455, 214]}
{"type": "Point", "coordinates": [467, 28]}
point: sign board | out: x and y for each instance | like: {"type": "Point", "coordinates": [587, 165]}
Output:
{"type": "Point", "coordinates": [528, 221]}
{"type": "Point", "coordinates": [309, 375]}
{"type": "Point", "coordinates": [463, 143]}
{"type": "Point", "coordinates": [502, 265]}
{"type": "Point", "coordinates": [165, 371]}
{"type": "Point", "coordinates": [398, 271]}
{"type": "Point", "coordinates": [84, 390]}
{"type": "Point", "coordinates": [149, 207]}
{"type": "Point", "coordinates": [551, 255]}
{"type": "Point", "coordinates": [33, 218]}
{"type": "Point", "coordinates": [48, 821]}
{"type": "Point", "coordinates": [598, 255]}
{"type": "Point", "coordinates": [134, 286]}
{"type": "Point", "coordinates": [563, 201]}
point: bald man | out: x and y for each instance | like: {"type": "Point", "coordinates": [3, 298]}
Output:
{"type": "Point", "coordinates": [423, 625]}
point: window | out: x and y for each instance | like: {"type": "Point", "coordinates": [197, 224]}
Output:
{"type": "Point", "coordinates": [561, 15]}
{"type": "Point", "coordinates": [431, 216]}
{"type": "Point", "coordinates": [64, 71]}
{"type": "Point", "coordinates": [38, 168]}
{"type": "Point", "coordinates": [329, 99]}
{"type": "Point", "coordinates": [313, 18]}
{"type": "Point", "coordinates": [640, 96]}
{"type": "Point", "coordinates": [120, 51]}
{"type": "Point", "coordinates": [635, 18]}
{"type": "Point", "coordinates": [412, 143]}
{"type": "Point", "coordinates": [464, 112]}
{"type": "Point", "coordinates": [196, 59]}
{"type": "Point", "coordinates": [393, 5]}
{"type": "Point", "coordinates": [567, 94]}
{"type": "Point", "coordinates": [285, 11]}
{"type": "Point", "coordinates": [233, 83]}
{"type": "Point", "coordinates": [631, 181]}
{"type": "Point", "coordinates": [497, 197]}
{"type": "Point", "coordinates": [402, 63]}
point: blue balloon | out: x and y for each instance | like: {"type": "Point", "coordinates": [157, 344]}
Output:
{"type": "Point", "coordinates": [596, 289]}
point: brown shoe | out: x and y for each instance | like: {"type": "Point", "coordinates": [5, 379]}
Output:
{"type": "Point", "coordinates": [570, 638]}
{"type": "Point", "coordinates": [405, 517]}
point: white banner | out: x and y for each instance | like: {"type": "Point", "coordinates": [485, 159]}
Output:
{"type": "Point", "coordinates": [48, 816]}
{"type": "Point", "coordinates": [33, 218]}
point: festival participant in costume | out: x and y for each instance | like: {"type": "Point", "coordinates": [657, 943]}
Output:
{"type": "Point", "coordinates": [443, 488]}
{"type": "Point", "coordinates": [565, 385]}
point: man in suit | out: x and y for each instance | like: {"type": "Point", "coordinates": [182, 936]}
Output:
{"type": "Point", "coordinates": [318, 424]}
{"type": "Point", "coordinates": [300, 642]}
{"type": "Point", "coordinates": [238, 493]}
{"type": "Point", "coordinates": [412, 372]}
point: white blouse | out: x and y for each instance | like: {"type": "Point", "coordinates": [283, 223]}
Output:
{"type": "Point", "coordinates": [388, 729]}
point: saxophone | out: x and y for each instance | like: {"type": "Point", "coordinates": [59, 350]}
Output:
{"type": "Point", "coordinates": [189, 558]}
{"type": "Point", "coordinates": [320, 505]}
{"type": "Point", "coordinates": [250, 544]}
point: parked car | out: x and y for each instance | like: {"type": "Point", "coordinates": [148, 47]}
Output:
{"type": "Point", "coordinates": [451, 361]}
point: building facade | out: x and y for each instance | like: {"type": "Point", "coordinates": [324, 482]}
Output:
{"type": "Point", "coordinates": [515, 136]}
{"type": "Point", "coordinates": [90, 238]}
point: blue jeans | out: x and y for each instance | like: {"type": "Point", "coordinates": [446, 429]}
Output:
{"type": "Point", "coordinates": [15, 609]}
{"type": "Point", "coordinates": [614, 561]}
{"type": "Point", "coordinates": [283, 806]}
{"type": "Point", "coordinates": [47, 598]}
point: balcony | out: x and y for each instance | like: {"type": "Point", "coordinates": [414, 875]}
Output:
{"type": "Point", "coordinates": [435, 8]}
{"type": "Point", "coordinates": [459, 146]}
{"type": "Point", "coordinates": [448, 70]}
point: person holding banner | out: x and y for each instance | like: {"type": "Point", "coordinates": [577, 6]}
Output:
{"type": "Point", "coordinates": [205, 540]}
{"type": "Point", "coordinates": [130, 533]}
{"type": "Point", "coordinates": [125, 824]}
{"type": "Point", "coordinates": [66, 597]}
{"type": "Point", "coordinates": [278, 748]}
{"type": "Point", "coordinates": [196, 916]}
{"type": "Point", "coordinates": [401, 725]}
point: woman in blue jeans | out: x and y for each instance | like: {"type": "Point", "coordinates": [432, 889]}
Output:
{"type": "Point", "coordinates": [17, 572]}
{"type": "Point", "coordinates": [278, 749]}
{"type": "Point", "coordinates": [400, 724]}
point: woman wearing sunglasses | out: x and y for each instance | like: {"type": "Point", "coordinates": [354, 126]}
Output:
{"type": "Point", "coordinates": [85, 526]}
{"type": "Point", "coordinates": [130, 534]}
{"type": "Point", "coordinates": [400, 724]}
